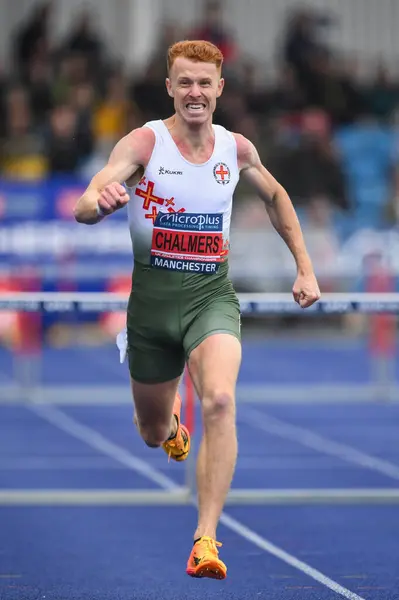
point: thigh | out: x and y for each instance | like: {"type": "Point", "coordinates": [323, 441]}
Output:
{"type": "Point", "coordinates": [214, 365]}
{"type": "Point", "coordinates": [152, 361]}
{"type": "Point", "coordinates": [155, 352]}
{"type": "Point", "coordinates": [214, 316]}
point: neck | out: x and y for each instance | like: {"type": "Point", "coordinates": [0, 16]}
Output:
{"type": "Point", "coordinates": [197, 136]}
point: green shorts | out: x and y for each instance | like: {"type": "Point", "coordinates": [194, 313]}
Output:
{"type": "Point", "coordinates": [170, 313]}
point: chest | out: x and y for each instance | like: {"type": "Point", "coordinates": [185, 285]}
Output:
{"type": "Point", "coordinates": [177, 186]}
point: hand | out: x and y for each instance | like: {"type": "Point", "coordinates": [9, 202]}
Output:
{"type": "Point", "coordinates": [306, 290]}
{"type": "Point", "coordinates": [112, 197]}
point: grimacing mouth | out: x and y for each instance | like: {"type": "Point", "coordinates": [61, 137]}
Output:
{"type": "Point", "coordinates": [201, 104]}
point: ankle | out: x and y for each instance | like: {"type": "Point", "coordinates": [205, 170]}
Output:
{"type": "Point", "coordinates": [199, 533]}
{"type": "Point", "coordinates": [173, 430]}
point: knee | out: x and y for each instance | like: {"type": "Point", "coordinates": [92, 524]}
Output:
{"type": "Point", "coordinates": [154, 435]}
{"type": "Point", "coordinates": [218, 405]}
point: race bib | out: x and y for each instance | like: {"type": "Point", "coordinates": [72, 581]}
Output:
{"type": "Point", "coordinates": [188, 242]}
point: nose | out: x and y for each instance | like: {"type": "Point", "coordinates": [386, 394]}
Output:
{"type": "Point", "coordinates": [195, 91]}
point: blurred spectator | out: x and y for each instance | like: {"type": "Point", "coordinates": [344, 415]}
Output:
{"type": "Point", "coordinates": [23, 148]}
{"type": "Point", "coordinates": [232, 107]}
{"type": "Point", "coordinates": [170, 33]}
{"type": "Point", "coordinates": [84, 40]}
{"type": "Point", "coordinates": [382, 94]}
{"type": "Point", "coordinates": [212, 29]}
{"type": "Point", "coordinates": [39, 88]}
{"type": "Point", "coordinates": [287, 96]}
{"type": "Point", "coordinates": [311, 168]}
{"type": "Point", "coordinates": [82, 99]}
{"type": "Point", "coordinates": [302, 45]}
{"type": "Point", "coordinates": [72, 70]}
{"type": "Point", "coordinates": [326, 88]}
{"type": "Point", "coordinates": [323, 77]}
{"type": "Point", "coordinates": [150, 95]}
{"type": "Point", "coordinates": [64, 148]}
{"type": "Point", "coordinates": [31, 40]}
{"type": "Point", "coordinates": [110, 115]}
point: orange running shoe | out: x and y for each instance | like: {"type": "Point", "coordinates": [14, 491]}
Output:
{"type": "Point", "coordinates": [204, 560]}
{"type": "Point", "coordinates": [178, 447]}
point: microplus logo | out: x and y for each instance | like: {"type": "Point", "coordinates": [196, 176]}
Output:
{"type": "Point", "coordinates": [163, 171]}
{"type": "Point", "coordinates": [190, 221]}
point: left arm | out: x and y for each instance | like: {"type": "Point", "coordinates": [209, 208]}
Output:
{"type": "Point", "coordinates": [282, 216]}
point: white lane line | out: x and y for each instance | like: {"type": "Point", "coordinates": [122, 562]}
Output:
{"type": "Point", "coordinates": [96, 440]}
{"type": "Point", "coordinates": [260, 420]}
{"type": "Point", "coordinates": [291, 560]}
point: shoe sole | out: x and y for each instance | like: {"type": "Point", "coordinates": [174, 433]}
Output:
{"type": "Point", "coordinates": [211, 570]}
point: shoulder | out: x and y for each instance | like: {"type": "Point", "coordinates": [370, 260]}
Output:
{"type": "Point", "coordinates": [137, 145]}
{"type": "Point", "coordinates": [142, 140]}
{"type": "Point", "coordinates": [247, 155]}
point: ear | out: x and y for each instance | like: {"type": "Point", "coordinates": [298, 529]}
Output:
{"type": "Point", "coordinates": [220, 87]}
{"type": "Point", "coordinates": [169, 87]}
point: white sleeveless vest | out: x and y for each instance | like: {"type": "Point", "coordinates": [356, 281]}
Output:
{"type": "Point", "coordinates": [179, 212]}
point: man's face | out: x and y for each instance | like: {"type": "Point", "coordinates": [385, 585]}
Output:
{"type": "Point", "coordinates": [194, 86]}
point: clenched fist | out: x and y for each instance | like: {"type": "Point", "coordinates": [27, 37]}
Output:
{"type": "Point", "coordinates": [306, 290]}
{"type": "Point", "coordinates": [112, 197]}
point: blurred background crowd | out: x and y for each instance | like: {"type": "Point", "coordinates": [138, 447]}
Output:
{"type": "Point", "coordinates": [326, 128]}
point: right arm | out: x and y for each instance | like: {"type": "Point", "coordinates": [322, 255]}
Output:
{"type": "Point", "coordinates": [105, 190]}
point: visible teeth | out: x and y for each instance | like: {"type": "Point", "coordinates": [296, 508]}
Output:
{"type": "Point", "coordinates": [195, 106]}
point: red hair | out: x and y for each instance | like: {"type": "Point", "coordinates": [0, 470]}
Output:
{"type": "Point", "coordinates": [196, 50]}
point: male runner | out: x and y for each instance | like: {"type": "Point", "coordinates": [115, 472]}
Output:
{"type": "Point", "coordinates": [178, 177]}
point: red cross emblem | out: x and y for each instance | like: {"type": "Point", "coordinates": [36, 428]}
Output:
{"type": "Point", "coordinates": [152, 215]}
{"type": "Point", "coordinates": [171, 202]}
{"type": "Point", "coordinates": [172, 210]}
{"type": "Point", "coordinates": [149, 196]}
{"type": "Point", "coordinates": [221, 173]}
